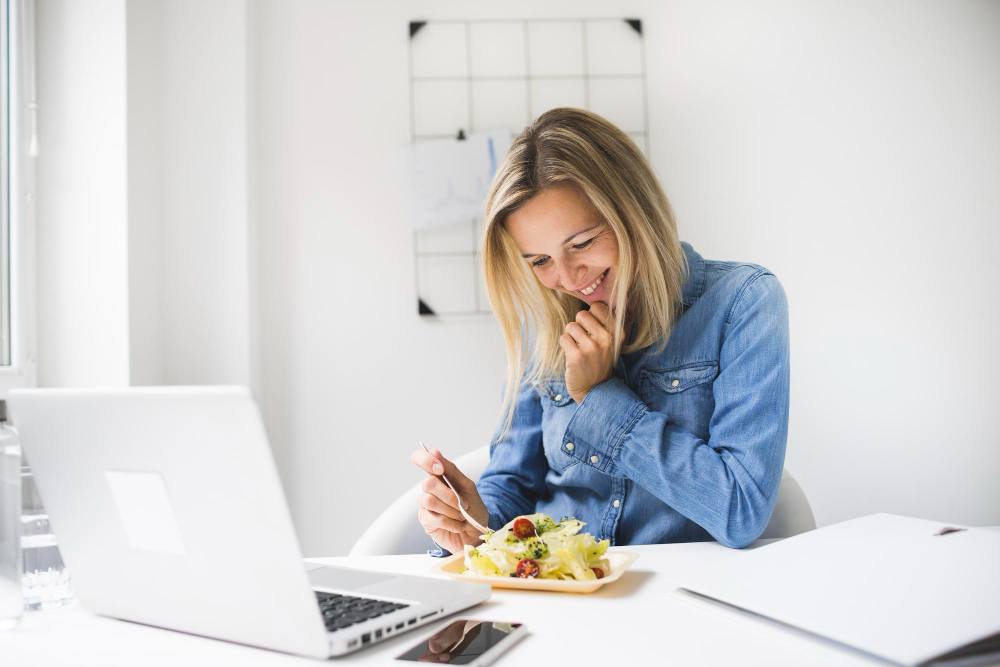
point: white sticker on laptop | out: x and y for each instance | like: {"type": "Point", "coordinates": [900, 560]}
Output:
{"type": "Point", "coordinates": [146, 512]}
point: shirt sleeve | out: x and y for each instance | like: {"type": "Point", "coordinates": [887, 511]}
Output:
{"type": "Point", "coordinates": [728, 484]}
{"type": "Point", "coordinates": [514, 479]}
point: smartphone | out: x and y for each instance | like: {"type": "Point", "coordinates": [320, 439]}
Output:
{"type": "Point", "coordinates": [467, 642]}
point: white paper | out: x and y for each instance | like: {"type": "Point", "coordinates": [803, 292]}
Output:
{"type": "Point", "coordinates": [884, 584]}
{"type": "Point", "coordinates": [146, 512]}
{"type": "Point", "coordinates": [447, 180]}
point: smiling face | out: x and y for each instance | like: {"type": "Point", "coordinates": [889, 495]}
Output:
{"type": "Point", "coordinates": [567, 243]}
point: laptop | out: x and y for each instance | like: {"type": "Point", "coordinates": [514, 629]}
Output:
{"type": "Point", "coordinates": [169, 512]}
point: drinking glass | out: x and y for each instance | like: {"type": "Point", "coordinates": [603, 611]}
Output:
{"type": "Point", "coordinates": [11, 601]}
{"type": "Point", "coordinates": [46, 579]}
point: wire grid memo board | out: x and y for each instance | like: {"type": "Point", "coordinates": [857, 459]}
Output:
{"type": "Point", "coordinates": [470, 76]}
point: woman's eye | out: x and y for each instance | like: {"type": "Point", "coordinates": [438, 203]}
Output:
{"type": "Point", "coordinates": [581, 246]}
{"type": "Point", "coordinates": [540, 261]}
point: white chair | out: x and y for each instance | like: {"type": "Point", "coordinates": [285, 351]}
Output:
{"type": "Point", "coordinates": [792, 513]}
{"type": "Point", "coordinates": [396, 530]}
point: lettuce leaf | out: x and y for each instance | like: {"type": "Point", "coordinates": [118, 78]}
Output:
{"type": "Point", "coordinates": [559, 548]}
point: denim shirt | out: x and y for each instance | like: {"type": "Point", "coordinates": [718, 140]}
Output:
{"type": "Point", "coordinates": [681, 446]}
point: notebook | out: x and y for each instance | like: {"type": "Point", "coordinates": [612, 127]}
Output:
{"type": "Point", "coordinates": [903, 589]}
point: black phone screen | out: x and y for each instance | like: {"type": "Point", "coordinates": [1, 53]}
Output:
{"type": "Point", "coordinates": [462, 641]}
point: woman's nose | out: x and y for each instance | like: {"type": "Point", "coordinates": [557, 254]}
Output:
{"type": "Point", "coordinates": [571, 276]}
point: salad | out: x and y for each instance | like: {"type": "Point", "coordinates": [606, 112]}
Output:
{"type": "Point", "coordinates": [535, 546]}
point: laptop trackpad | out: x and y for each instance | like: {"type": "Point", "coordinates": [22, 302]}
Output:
{"type": "Point", "coordinates": [345, 578]}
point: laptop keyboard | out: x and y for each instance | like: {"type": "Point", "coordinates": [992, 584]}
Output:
{"type": "Point", "coordinates": [342, 611]}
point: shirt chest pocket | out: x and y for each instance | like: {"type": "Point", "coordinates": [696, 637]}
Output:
{"type": "Point", "coordinates": [558, 408]}
{"type": "Point", "coordinates": [683, 392]}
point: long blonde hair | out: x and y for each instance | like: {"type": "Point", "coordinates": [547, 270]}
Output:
{"type": "Point", "coordinates": [574, 146]}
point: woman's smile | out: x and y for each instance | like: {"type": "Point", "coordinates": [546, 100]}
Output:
{"type": "Point", "coordinates": [594, 291]}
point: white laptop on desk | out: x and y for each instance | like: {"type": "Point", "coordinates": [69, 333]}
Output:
{"type": "Point", "coordinates": [169, 512]}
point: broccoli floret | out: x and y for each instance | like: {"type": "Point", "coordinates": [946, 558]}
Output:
{"type": "Point", "coordinates": [535, 548]}
{"type": "Point", "coordinates": [544, 524]}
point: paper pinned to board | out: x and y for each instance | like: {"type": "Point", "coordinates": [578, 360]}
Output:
{"type": "Point", "coordinates": [447, 179]}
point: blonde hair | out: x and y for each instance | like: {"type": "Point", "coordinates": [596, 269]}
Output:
{"type": "Point", "coordinates": [577, 147]}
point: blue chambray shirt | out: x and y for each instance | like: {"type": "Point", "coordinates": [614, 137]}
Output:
{"type": "Point", "coordinates": [681, 446]}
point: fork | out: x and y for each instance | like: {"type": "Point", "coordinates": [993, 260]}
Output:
{"type": "Point", "coordinates": [475, 524]}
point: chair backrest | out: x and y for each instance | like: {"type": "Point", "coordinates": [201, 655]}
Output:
{"type": "Point", "coordinates": [396, 530]}
{"type": "Point", "coordinates": [792, 513]}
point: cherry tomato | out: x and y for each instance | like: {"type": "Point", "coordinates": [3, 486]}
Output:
{"type": "Point", "coordinates": [598, 571]}
{"type": "Point", "coordinates": [524, 529]}
{"type": "Point", "coordinates": [527, 567]}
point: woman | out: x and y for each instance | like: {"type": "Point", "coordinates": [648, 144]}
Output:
{"type": "Point", "coordinates": [647, 387]}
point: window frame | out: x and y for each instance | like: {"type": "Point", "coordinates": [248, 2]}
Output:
{"type": "Point", "coordinates": [20, 209]}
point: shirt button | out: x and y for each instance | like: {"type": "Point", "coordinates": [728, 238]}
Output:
{"type": "Point", "coordinates": [594, 459]}
{"type": "Point", "coordinates": [675, 383]}
{"type": "Point", "coordinates": [558, 397]}
{"type": "Point", "coordinates": [617, 503]}
{"type": "Point", "coordinates": [569, 446]}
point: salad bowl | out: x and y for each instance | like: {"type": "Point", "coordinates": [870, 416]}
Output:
{"type": "Point", "coordinates": [619, 561]}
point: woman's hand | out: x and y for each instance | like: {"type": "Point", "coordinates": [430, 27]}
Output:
{"type": "Point", "coordinates": [439, 514]}
{"type": "Point", "coordinates": [588, 347]}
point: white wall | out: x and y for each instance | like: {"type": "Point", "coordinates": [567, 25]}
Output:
{"type": "Point", "coordinates": [205, 193]}
{"type": "Point", "coordinates": [854, 148]}
{"type": "Point", "coordinates": [143, 247]}
{"type": "Point", "coordinates": [82, 262]}
{"type": "Point", "coordinates": [352, 377]}
{"type": "Point", "coordinates": [851, 147]}
{"type": "Point", "coordinates": [147, 319]}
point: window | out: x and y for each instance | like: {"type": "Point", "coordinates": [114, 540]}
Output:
{"type": "Point", "coordinates": [17, 184]}
{"type": "Point", "coordinates": [5, 328]}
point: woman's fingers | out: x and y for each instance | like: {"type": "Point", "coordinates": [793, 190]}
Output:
{"type": "Point", "coordinates": [580, 336]}
{"type": "Point", "coordinates": [440, 490]}
{"type": "Point", "coordinates": [456, 476]}
{"type": "Point", "coordinates": [434, 463]}
{"type": "Point", "coordinates": [432, 503]}
{"type": "Point", "coordinates": [432, 521]}
{"type": "Point", "coordinates": [600, 310]}
{"type": "Point", "coordinates": [594, 328]}
{"type": "Point", "coordinates": [435, 486]}
{"type": "Point", "coordinates": [569, 346]}
{"type": "Point", "coordinates": [427, 462]}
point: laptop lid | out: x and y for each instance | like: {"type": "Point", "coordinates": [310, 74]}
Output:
{"type": "Point", "coordinates": [169, 511]}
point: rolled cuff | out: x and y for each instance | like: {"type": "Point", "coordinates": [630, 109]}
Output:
{"type": "Point", "coordinates": [600, 423]}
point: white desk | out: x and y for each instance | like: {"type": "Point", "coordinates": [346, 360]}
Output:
{"type": "Point", "coordinates": [635, 621]}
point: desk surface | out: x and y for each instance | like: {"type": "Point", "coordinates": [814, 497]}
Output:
{"type": "Point", "coordinates": [638, 620]}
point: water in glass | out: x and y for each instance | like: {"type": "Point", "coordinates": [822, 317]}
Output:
{"type": "Point", "coordinates": [11, 602]}
{"type": "Point", "coordinates": [46, 580]}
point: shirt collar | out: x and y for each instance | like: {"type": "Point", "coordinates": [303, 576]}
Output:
{"type": "Point", "coordinates": [695, 285]}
